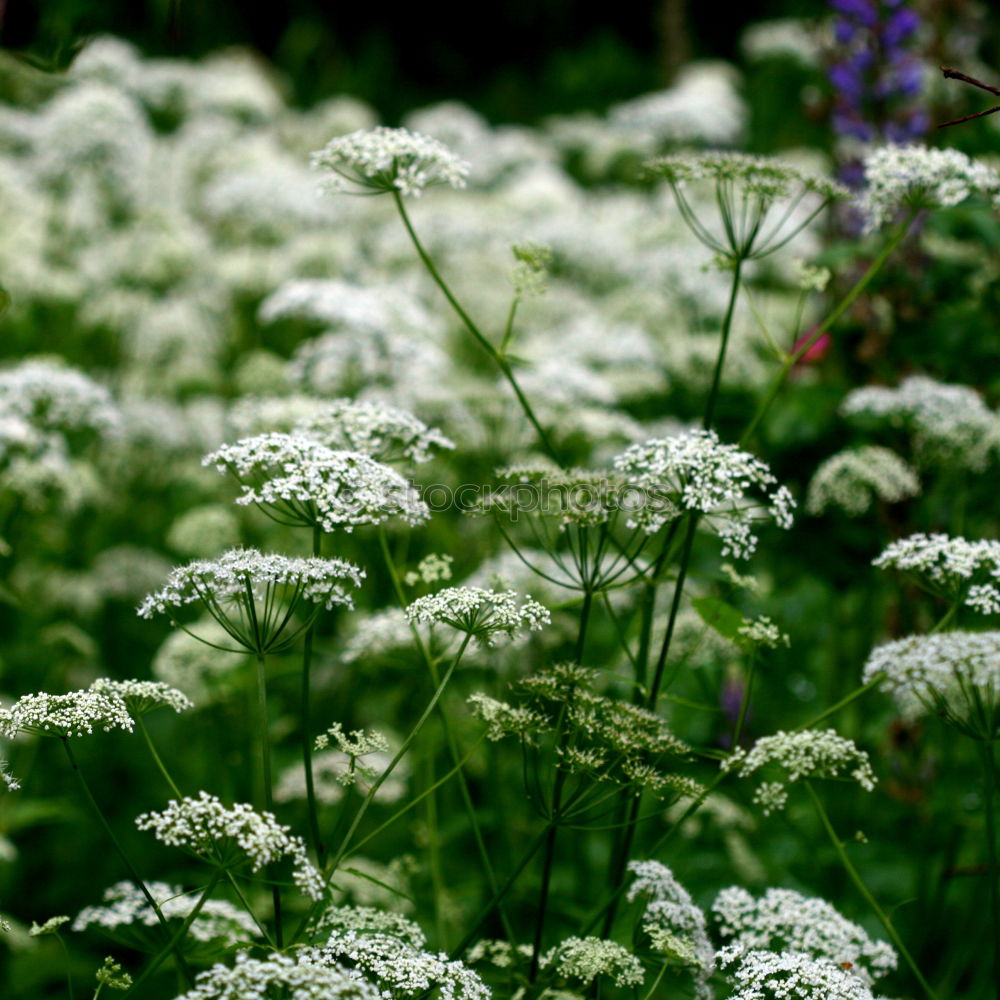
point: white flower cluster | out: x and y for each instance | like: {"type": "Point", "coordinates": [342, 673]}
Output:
{"type": "Point", "coordinates": [783, 920]}
{"type": "Point", "coordinates": [73, 714]}
{"type": "Point", "coordinates": [208, 829]}
{"type": "Point", "coordinates": [333, 770]}
{"type": "Point", "coordinates": [922, 177]}
{"type": "Point", "coordinates": [587, 958]}
{"type": "Point", "coordinates": [368, 919]}
{"type": "Point", "coordinates": [52, 397]}
{"type": "Point", "coordinates": [953, 674]}
{"type": "Point", "coordinates": [810, 753]}
{"type": "Point", "coordinates": [125, 907]}
{"type": "Point", "coordinates": [760, 974]}
{"type": "Point", "coordinates": [951, 567]}
{"type": "Point", "coordinates": [142, 697]}
{"type": "Point", "coordinates": [696, 472]}
{"type": "Point", "coordinates": [236, 574]}
{"type": "Point", "coordinates": [431, 569]}
{"type": "Point", "coordinates": [853, 479]}
{"type": "Point", "coordinates": [304, 482]}
{"type": "Point", "coordinates": [402, 970]}
{"type": "Point", "coordinates": [388, 160]}
{"type": "Point", "coordinates": [484, 614]}
{"type": "Point", "coordinates": [304, 977]}
{"type": "Point", "coordinates": [7, 778]}
{"type": "Point", "coordinates": [386, 433]}
{"type": "Point", "coordinates": [762, 632]}
{"type": "Point", "coordinates": [675, 925]}
{"type": "Point", "coordinates": [951, 425]}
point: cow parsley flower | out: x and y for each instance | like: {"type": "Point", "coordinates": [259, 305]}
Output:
{"type": "Point", "coordinates": [7, 778]}
{"type": "Point", "coordinates": [955, 675]}
{"type": "Point", "coordinates": [696, 472]}
{"type": "Point", "coordinates": [229, 837]}
{"type": "Point", "coordinates": [920, 177]}
{"type": "Point", "coordinates": [747, 189]}
{"type": "Point", "coordinates": [142, 697]}
{"type": "Point", "coordinates": [853, 479]}
{"type": "Point", "coordinates": [252, 595]}
{"type": "Point", "coordinates": [950, 424]}
{"type": "Point", "coordinates": [64, 715]}
{"type": "Point", "coordinates": [368, 919]}
{"type": "Point", "coordinates": [757, 974]}
{"type": "Point", "coordinates": [783, 920]}
{"type": "Point", "coordinates": [674, 924]}
{"type": "Point", "coordinates": [585, 959]}
{"type": "Point", "coordinates": [126, 913]}
{"type": "Point", "coordinates": [484, 614]}
{"type": "Point", "coordinates": [51, 926]}
{"type": "Point", "coordinates": [299, 481]}
{"type": "Point", "coordinates": [110, 974]}
{"type": "Point", "coordinates": [952, 568]}
{"type": "Point", "coordinates": [388, 160]}
{"type": "Point", "coordinates": [810, 753]}
{"type": "Point", "coordinates": [383, 432]}
{"type": "Point", "coordinates": [402, 970]}
{"type": "Point", "coordinates": [305, 976]}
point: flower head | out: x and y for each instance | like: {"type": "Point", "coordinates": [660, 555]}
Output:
{"type": "Point", "coordinates": [920, 177]}
{"type": "Point", "coordinates": [758, 973]}
{"type": "Point", "coordinates": [955, 675]}
{"type": "Point", "coordinates": [300, 481]}
{"type": "Point", "coordinates": [142, 697]}
{"type": "Point", "coordinates": [388, 161]}
{"type": "Point", "coordinates": [783, 920]}
{"type": "Point", "coordinates": [747, 188]}
{"type": "Point", "coordinates": [853, 479]}
{"type": "Point", "coordinates": [383, 432]}
{"type": "Point", "coordinates": [243, 591]}
{"type": "Point", "coordinates": [810, 753]}
{"type": "Point", "coordinates": [306, 976]}
{"type": "Point", "coordinates": [584, 959]}
{"type": "Point", "coordinates": [484, 614]}
{"type": "Point", "coordinates": [953, 568]}
{"type": "Point", "coordinates": [696, 472]}
{"type": "Point", "coordinates": [65, 715]}
{"type": "Point", "coordinates": [206, 828]}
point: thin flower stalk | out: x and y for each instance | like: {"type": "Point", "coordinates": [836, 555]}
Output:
{"type": "Point", "coordinates": [449, 735]}
{"type": "Point", "coordinates": [852, 874]}
{"type": "Point", "coordinates": [267, 788]}
{"type": "Point", "coordinates": [498, 358]}
{"type": "Point", "coordinates": [304, 724]}
{"type": "Point", "coordinates": [135, 876]}
{"type": "Point", "coordinates": [989, 785]}
{"type": "Point", "coordinates": [824, 326]}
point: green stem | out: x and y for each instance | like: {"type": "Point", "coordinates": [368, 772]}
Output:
{"type": "Point", "coordinates": [482, 340]}
{"type": "Point", "coordinates": [343, 849]}
{"type": "Point", "coordinates": [727, 323]}
{"type": "Point", "coordinates": [136, 878]}
{"type": "Point", "coordinates": [846, 700]}
{"type": "Point", "coordinates": [450, 740]}
{"type": "Point", "coordinates": [246, 906]}
{"type": "Point", "coordinates": [156, 758]}
{"type": "Point", "coordinates": [69, 974]}
{"type": "Point", "coordinates": [947, 617]}
{"type": "Point", "coordinates": [265, 765]}
{"type": "Point", "coordinates": [852, 873]}
{"type": "Point", "coordinates": [581, 637]}
{"type": "Point", "coordinates": [989, 780]}
{"type": "Point", "coordinates": [179, 936]}
{"type": "Point", "coordinates": [845, 303]}
{"type": "Point", "coordinates": [307, 649]}
{"type": "Point", "coordinates": [745, 701]}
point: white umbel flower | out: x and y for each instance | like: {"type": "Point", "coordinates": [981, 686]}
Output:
{"type": "Point", "coordinates": [920, 177]}
{"type": "Point", "coordinates": [74, 714]}
{"type": "Point", "coordinates": [126, 911]}
{"type": "Point", "coordinates": [855, 478]}
{"type": "Point", "coordinates": [810, 753]}
{"type": "Point", "coordinates": [388, 160]}
{"type": "Point", "coordinates": [952, 568]}
{"type": "Point", "coordinates": [758, 974]}
{"type": "Point", "coordinates": [485, 614]}
{"type": "Point", "coordinates": [784, 920]}
{"type": "Point", "coordinates": [229, 836]}
{"type": "Point", "coordinates": [955, 675]}
{"type": "Point", "coordinates": [300, 481]}
{"type": "Point", "coordinates": [304, 977]}
{"type": "Point", "coordinates": [696, 472]}
{"type": "Point", "coordinates": [142, 697]}
{"type": "Point", "coordinates": [584, 959]}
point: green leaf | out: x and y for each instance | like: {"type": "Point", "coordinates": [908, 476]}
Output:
{"type": "Point", "coordinates": [724, 618]}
